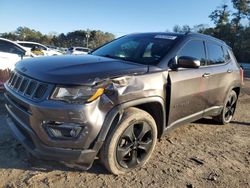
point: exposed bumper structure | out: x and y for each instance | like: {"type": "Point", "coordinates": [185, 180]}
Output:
{"type": "Point", "coordinates": [26, 118]}
{"type": "Point", "coordinates": [4, 76]}
{"type": "Point", "coordinates": [38, 149]}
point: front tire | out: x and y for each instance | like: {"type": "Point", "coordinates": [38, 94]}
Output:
{"type": "Point", "coordinates": [131, 143]}
{"type": "Point", "coordinates": [228, 109]}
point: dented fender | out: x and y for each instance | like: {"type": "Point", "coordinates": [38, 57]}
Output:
{"type": "Point", "coordinates": [124, 92]}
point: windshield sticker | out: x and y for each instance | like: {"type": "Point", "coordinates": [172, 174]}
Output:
{"type": "Point", "coordinates": [165, 37]}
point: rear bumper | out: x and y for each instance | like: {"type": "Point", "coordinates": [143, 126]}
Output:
{"type": "Point", "coordinates": [33, 145]}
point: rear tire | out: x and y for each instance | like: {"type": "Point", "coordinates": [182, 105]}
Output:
{"type": "Point", "coordinates": [131, 143]}
{"type": "Point", "coordinates": [228, 109]}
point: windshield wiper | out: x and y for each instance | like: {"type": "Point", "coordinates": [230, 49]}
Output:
{"type": "Point", "coordinates": [121, 58]}
{"type": "Point", "coordinates": [113, 57]}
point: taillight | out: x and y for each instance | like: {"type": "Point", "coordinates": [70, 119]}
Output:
{"type": "Point", "coordinates": [242, 75]}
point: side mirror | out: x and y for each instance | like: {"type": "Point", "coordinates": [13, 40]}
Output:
{"type": "Point", "coordinates": [188, 62]}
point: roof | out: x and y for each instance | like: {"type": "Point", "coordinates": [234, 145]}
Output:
{"type": "Point", "coordinates": [191, 34]}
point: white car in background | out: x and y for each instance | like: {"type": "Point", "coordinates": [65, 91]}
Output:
{"type": "Point", "coordinates": [78, 51]}
{"type": "Point", "coordinates": [10, 54]}
{"type": "Point", "coordinates": [34, 45]}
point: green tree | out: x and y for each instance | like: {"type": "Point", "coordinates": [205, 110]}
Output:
{"type": "Point", "coordinates": [25, 33]}
{"type": "Point", "coordinates": [242, 11]}
{"type": "Point", "coordinates": [181, 29]}
{"type": "Point", "coordinates": [220, 16]}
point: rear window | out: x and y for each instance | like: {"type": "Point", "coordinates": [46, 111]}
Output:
{"type": "Point", "coordinates": [26, 45]}
{"type": "Point", "coordinates": [215, 54]}
{"type": "Point", "coordinates": [226, 54]}
{"type": "Point", "coordinates": [86, 50]}
{"type": "Point", "coordinates": [82, 49]}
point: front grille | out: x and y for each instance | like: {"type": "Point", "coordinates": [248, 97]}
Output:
{"type": "Point", "coordinates": [27, 87]}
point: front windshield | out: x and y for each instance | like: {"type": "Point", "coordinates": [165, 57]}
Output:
{"type": "Point", "coordinates": [141, 49]}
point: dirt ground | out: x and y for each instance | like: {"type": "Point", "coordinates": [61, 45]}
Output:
{"type": "Point", "coordinates": [201, 154]}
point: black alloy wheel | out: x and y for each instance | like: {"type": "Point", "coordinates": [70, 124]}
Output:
{"type": "Point", "coordinates": [230, 108]}
{"type": "Point", "coordinates": [134, 145]}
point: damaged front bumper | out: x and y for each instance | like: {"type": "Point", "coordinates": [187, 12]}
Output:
{"type": "Point", "coordinates": [33, 145]}
{"type": "Point", "coordinates": [29, 119]}
{"type": "Point", "coordinates": [26, 120]}
{"type": "Point", "coordinates": [4, 76]}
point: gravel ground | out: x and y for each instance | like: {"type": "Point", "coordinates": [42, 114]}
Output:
{"type": "Point", "coordinates": [201, 154]}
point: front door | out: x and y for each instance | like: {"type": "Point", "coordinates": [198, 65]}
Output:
{"type": "Point", "coordinates": [188, 86]}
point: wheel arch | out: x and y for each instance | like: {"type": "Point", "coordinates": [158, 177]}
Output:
{"type": "Point", "coordinates": [156, 110]}
{"type": "Point", "coordinates": [237, 90]}
{"type": "Point", "coordinates": [147, 104]}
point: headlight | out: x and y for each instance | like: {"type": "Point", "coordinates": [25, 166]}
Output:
{"type": "Point", "coordinates": [77, 95]}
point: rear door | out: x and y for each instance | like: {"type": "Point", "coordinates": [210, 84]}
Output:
{"type": "Point", "coordinates": [188, 86]}
{"type": "Point", "coordinates": [221, 77]}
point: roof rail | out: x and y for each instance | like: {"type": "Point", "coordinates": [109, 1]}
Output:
{"type": "Point", "coordinates": [207, 36]}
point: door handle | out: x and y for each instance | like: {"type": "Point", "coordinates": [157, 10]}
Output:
{"type": "Point", "coordinates": [229, 71]}
{"type": "Point", "coordinates": [206, 75]}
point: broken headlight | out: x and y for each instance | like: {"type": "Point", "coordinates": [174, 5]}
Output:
{"type": "Point", "coordinates": [77, 95]}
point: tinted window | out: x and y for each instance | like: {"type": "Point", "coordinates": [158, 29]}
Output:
{"type": "Point", "coordinates": [144, 49]}
{"type": "Point", "coordinates": [41, 47]}
{"type": "Point", "coordinates": [31, 45]}
{"type": "Point", "coordinates": [215, 54]}
{"type": "Point", "coordinates": [195, 49]}
{"type": "Point", "coordinates": [82, 49]}
{"type": "Point", "coordinates": [226, 53]}
{"type": "Point", "coordinates": [10, 48]}
{"type": "Point", "coordinates": [26, 45]}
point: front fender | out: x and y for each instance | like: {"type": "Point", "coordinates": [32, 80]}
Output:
{"type": "Point", "coordinates": [114, 116]}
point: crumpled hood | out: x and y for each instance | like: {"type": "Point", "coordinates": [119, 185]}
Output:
{"type": "Point", "coordinates": [77, 69]}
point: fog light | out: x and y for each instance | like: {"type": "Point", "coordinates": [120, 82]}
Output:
{"type": "Point", "coordinates": [62, 130]}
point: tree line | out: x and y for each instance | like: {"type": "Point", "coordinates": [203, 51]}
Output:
{"type": "Point", "coordinates": [90, 38]}
{"type": "Point", "coordinates": [230, 25]}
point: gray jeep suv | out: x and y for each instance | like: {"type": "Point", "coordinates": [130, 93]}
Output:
{"type": "Point", "coordinates": [117, 101]}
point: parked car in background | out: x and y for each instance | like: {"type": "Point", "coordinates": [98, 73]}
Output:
{"type": "Point", "coordinates": [34, 46]}
{"type": "Point", "coordinates": [78, 51]}
{"type": "Point", "coordinates": [52, 47]}
{"type": "Point", "coordinates": [63, 50]}
{"type": "Point", "coordinates": [10, 54]}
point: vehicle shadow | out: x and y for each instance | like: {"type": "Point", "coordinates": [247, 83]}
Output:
{"type": "Point", "coordinates": [14, 156]}
{"type": "Point", "coordinates": [241, 123]}
{"type": "Point", "coordinates": [38, 165]}
{"type": "Point", "coordinates": [209, 121]}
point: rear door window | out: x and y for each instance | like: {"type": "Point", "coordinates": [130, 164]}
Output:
{"type": "Point", "coordinates": [215, 54]}
{"type": "Point", "coordinates": [195, 49]}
